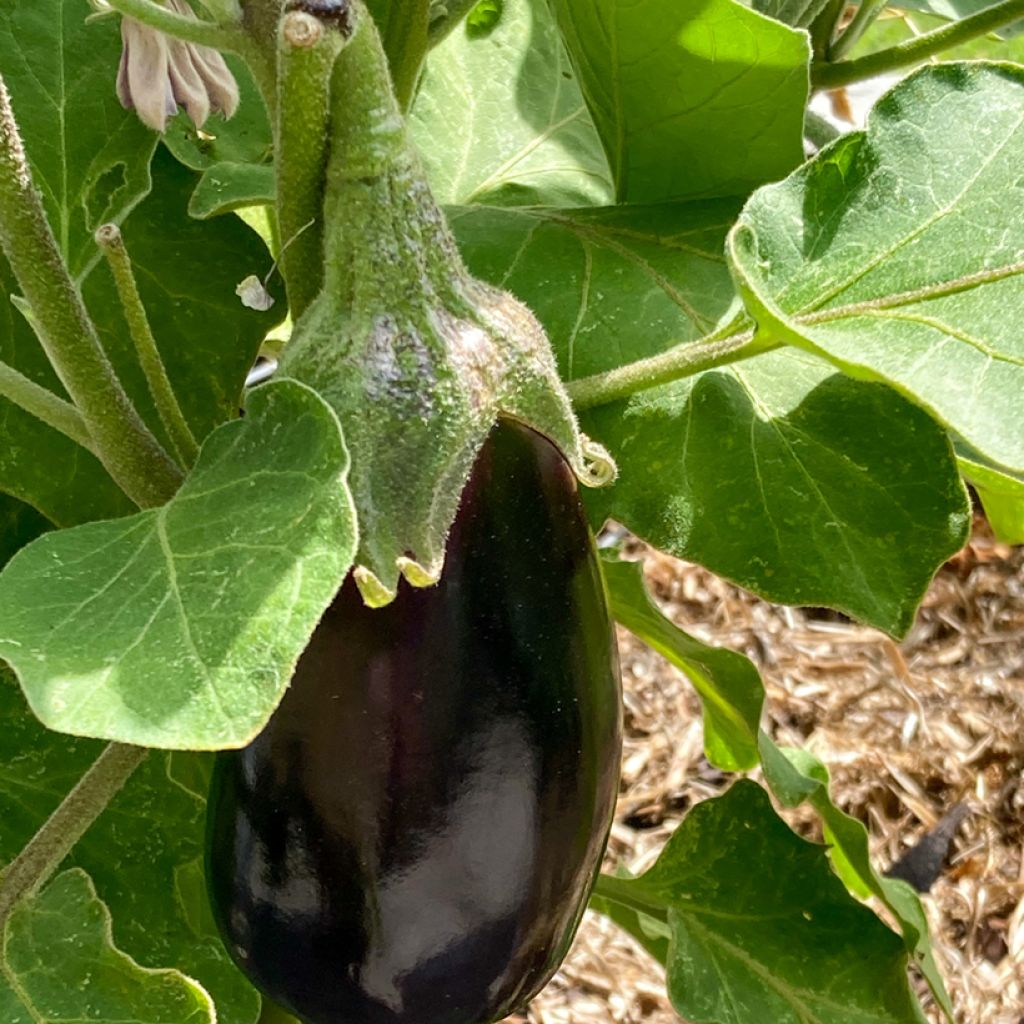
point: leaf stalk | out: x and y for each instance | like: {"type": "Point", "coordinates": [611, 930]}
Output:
{"type": "Point", "coordinates": [111, 243]}
{"type": "Point", "coordinates": [68, 823]}
{"type": "Point", "coordinates": [913, 51]}
{"type": "Point", "coordinates": [131, 454]}
{"type": "Point", "coordinates": [44, 405]}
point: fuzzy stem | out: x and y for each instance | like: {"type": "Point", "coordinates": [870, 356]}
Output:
{"type": "Point", "coordinates": [44, 405]}
{"type": "Point", "coordinates": [868, 11]}
{"type": "Point", "coordinates": [133, 457]}
{"type": "Point", "coordinates": [308, 49]}
{"type": "Point", "coordinates": [111, 243]}
{"type": "Point", "coordinates": [831, 76]}
{"type": "Point", "coordinates": [68, 823]}
{"type": "Point", "coordinates": [191, 30]}
{"type": "Point", "coordinates": [823, 28]}
{"type": "Point", "coordinates": [819, 130]}
{"type": "Point", "coordinates": [682, 360]}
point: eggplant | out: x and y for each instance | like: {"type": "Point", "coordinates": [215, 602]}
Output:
{"type": "Point", "coordinates": [413, 837]}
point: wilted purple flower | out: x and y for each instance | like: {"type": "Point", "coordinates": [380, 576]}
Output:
{"type": "Point", "coordinates": [158, 74]}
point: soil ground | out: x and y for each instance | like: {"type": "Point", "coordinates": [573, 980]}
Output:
{"type": "Point", "coordinates": [908, 730]}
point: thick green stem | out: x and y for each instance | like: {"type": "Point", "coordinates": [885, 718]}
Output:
{"type": "Point", "coordinates": [133, 457]}
{"type": "Point", "coordinates": [822, 29]}
{"type": "Point", "coordinates": [832, 76]}
{"type": "Point", "coordinates": [455, 14]}
{"type": "Point", "coordinates": [682, 360]}
{"type": "Point", "coordinates": [180, 26]}
{"type": "Point", "coordinates": [62, 830]}
{"type": "Point", "coordinates": [308, 49]}
{"type": "Point", "coordinates": [110, 241]}
{"type": "Point", "coordinates": [819, 130]}
{"type": "Point", "coordinates": [866, 14]}
{"type": "Point", "coordinates": [44, 405]}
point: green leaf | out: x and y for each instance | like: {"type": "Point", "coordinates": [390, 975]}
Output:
{"type": "Point", "coordinates": [798, 13]}
{"type": "Point", "coordinates": [499, 117]}
{"type": "Point", "coordinates": [144, 853]}
{"type": "Point", "coordinates": [19, 524]}
{"type": "Point", "coordinates": [60, 966]}
{"type": "Point", "coordinates": [761, 928]}
{"type": "Point", "coordinates": [898, 253]}
{"type": "Point", "coordinates": [90, 158]}
{"type": "Point", "coordinates": [187, 272]}
{"type": "Point", "coordinates": [690, 100]}
{"type": "Point", "coordinates": [38, 465]}
{"type": "Point", "coordinates": [796, 776]}
{"type": "Point", "coordinates": [1001, 493]}
{"type": "Point", "coordinates": [610, 285]}
{"type": "Point", "coordinates": [179, 627]}
{"type": "Point", "coordinates": [730, 688]}
{"type": "Point", "coordinates": [245, 139]}
{"type": "Point", "coordinates": [798, 483]}
{"type": "Point", "coordinates": [225, 187]}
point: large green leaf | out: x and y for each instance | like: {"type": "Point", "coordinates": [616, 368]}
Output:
{"type": "Point", "coordinates": [898, 253]}
{"type": "Point", "coordinates": [1001, 493]}
{"type": "Point", "coordinates": [761, 929]}
{"type": "Point", "coordinates": [144, 853]}
{"type": "Point", "coordinates": [690, 100]}
{"type": "Point", "coordinates": [800, 484]}
{"type": "Point", "coordinates": [60, 966]}
{"type": "Point", "coordinates": [796, 482]}
{"type": "Point", "coordinates": [729, 686]}
{"type": "Point", "coordinates": [38, 465]}
{"type": "Point", "coordinates": [180, 626]}
{"type": "Point", "coordinates": [499, 117]}
{"type": "Point", "coordinates": [954, 10]}
{"type": "Point", "coordinates": [187, 272]}
{"type": "Point", "coordinates": [90, 158]}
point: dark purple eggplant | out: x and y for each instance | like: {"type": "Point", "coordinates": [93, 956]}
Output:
{"type": "Point", "coordinates": [413, 837]}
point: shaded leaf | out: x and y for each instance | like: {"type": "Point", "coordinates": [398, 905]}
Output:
{"type": "Point", "coordinates": [798, 483]}
{"type": "Point", "coordinates": [144, 853]}
{"type": "Point", "coordinates": [19, 524]}
{"type": "Point", "coordinates": [800, 950]}
{"type": "Point", "coordinates": [898, 253]}
{"type": "Point", "coordinates": [225, 187]}
{"type": "Point", "coordinates": [90, 979]}
{"type": "Point", "coordinates": [954, 10]}
{"type": "Point", "coordinates": [798, 13]}
{"type": "Point", "coordinates": [499, 117]}
{"type": "Point", "coordinates": [662, 78]}
{"type": "Point", "coordinates": [244, 139]}
{"type": "Point", "coordinates": [90, 158]}
{"type": "Point", "coordinates": [729, 686]}
{"type": "Point", "coordinates": [180, 626]}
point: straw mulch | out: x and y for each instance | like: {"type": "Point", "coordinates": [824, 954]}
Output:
{"type": "Point", "coordinates": [908, 730]}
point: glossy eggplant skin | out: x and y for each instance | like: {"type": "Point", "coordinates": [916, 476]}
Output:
{"type": "Point", "coordinates": [413, 837]}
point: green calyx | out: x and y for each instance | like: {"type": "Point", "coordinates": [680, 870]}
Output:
{"type": "Point", "coordinates": [417, 357]}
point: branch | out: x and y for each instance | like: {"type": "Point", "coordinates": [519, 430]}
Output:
{"type": "Point", "coordinates": [131, 454]}
{"type": "Point", "coordinates": [44, 405]}
{"type": "Point", "coordinates": [68, 823]}
{"type": "Point", "coordinates": [308, 49]}
{"type": "Point", "coordinates": [180, 26]}
{"type": "Point", "coordinates": [111, 242]}
{"type": "Point", "coordinates": [866, 14]}
{"type": "Point", "coordinates": [682, 360]}
{"type": "Point", "coordinates": [832, 76]}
